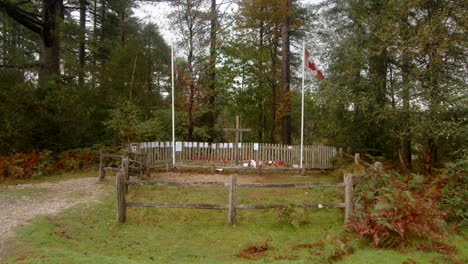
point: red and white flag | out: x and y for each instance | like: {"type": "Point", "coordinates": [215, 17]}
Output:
{"type": "Point", "coordinates": [175, 65]}
{"type": "Point", "coordinates": [311, 65]}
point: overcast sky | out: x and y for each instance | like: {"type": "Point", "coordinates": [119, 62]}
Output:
{"type": "Point", "coordinates": [157, 12]}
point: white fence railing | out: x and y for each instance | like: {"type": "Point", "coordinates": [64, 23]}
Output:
{"type": "Point", "coordinates": [271, 154]}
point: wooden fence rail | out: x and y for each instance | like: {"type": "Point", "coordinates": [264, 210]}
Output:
{"type": "Point", "coordinates": [123, 183]}
{"type": "Point", "coordinates": [135, 166]}
{"type": "Point", "coordinates": [157, 153]}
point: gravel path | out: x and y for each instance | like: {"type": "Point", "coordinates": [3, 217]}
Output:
{"type": "Point", "coordinates": [20, 203]}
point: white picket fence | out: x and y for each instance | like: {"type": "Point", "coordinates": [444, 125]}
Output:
{"type": "Point", "coordinates": [315, 156]}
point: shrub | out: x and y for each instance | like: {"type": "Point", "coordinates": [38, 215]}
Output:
{"type": "Point", "coordinates": [77, 159]}
{"type": "Point", "coordinates": [394, 209]}
{"type": "Point", "coordinates": [454, 197]}
{"type": "Point", "coordinates": [23, 166]}
{"type": "Point", "coordinates": [41, 163]}
{"type": "Point", "coordinates": [293, 215]}
{"type": "Point", "coordinates": [336, 247]}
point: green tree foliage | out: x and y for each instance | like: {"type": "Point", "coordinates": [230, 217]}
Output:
{"type": "Point", "coordinates": [126, 60]}
{"type": "Point", "coordinates": [254, 66]}
{"type": "Point", "coordinates": [395, 75]}
{"type": "Point", "coordinates": [395, 80]}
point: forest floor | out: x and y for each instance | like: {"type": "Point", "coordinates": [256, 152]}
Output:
{"type": "Point", "coordinates": [73, 221]}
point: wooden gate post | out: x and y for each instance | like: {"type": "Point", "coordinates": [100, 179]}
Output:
{"type": "Point", "coordinates": [348, 180]}
{"type": "Point", "coordinates": [121, 190]}
{"type": "Point", "coordinates": [357, 157]}
{"type": "Point", "coordinates": [233, 200]}
{"type": "Point", "coordinates": [102, 164]}
{"type": "Point", "coordinates": [340, 152]}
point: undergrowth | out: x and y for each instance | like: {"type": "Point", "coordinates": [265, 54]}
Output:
{"type": "Point", "coordinates": [454, 198]}
{"type": "Point", "coordinates": [40, 163]}
{"type": "Point", "coordinates": [395, 210]}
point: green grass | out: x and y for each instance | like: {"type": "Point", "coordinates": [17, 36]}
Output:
{"type": "Point", "coordinates": [90, 234]}
{"type": "Point", "coordinates": [16, 194]}
{"type": "Point", "coordinates": [51, 178]}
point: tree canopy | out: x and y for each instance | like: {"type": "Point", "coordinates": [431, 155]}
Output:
{"type": "Point", "coordinates": [75, 73]}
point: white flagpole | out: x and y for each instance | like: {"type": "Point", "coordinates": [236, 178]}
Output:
{"type": "Point", "coordinates": [302, 104]}
{"type": "Point", "coordinates": [173, 116]}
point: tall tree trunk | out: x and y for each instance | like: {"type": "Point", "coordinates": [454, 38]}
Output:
{"type": "Point", "coordinates": [95, 37]}
{"type": "Point", "coordinates": [260, 122]}
{"type": "Point", "coordinates": [81, 55]}
{"type": "Point", "coordinates": [274, 89]}
{"type": "Point", "coordinates": [191, 84]}
{"type": "Point", "coordinates": [122, 33]}
{"type": "Point", "coordinates": [378, 80]}
{"type": "Point", "coordinates": [434, 101]}
{"type": "Point", "coordinates": [406, 122]}
{"type": "Point", "coordinates": [285, 79]}
{"type": "Point", "coordinates": [406, 95]}
{"type": "Point", "coordinates": [48, 29]}
{"type": "Point", "coordinates": [273, 113]}
{"type": "Point", "coordinates": [191, 123]}
{"type": "Point", "coordinates": [50, 37]}
{"type": "Point", "coordinates": [428, 157]}
{"type": "Point", "coordinates": [212, 71]}
{"type": "Point", "coordinates": [260, 73]}
{"type": "Point", "coordinates": [103, 19]}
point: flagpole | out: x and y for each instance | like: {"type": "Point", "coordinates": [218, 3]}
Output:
{"type": "Point", "coordinates": [302, 105]}
{"type": "Point", "coordinates": [173, 116]}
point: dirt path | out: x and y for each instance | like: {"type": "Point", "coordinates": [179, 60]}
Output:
{"type": "Point", "coordinates": [20, 203]}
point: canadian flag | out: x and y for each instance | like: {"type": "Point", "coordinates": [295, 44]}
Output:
{"type": "Point", "coordinates": [311, 65]}
{"type": "Point", "coordinates": [175, 65]}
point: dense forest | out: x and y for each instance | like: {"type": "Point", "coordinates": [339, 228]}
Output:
{"type": "Point", "coordinates": [75, 73]}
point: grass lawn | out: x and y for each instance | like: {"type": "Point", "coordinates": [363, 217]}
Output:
{"type": "Point", "coordinates": [50, 178]}
{"type": "Point", "coordinates": [90, 234]}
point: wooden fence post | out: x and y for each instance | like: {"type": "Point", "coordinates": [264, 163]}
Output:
{"type": "Point", "coordinates": [340, 151]}
{"type": "Point", "coordinates": [233, 200]}
{"type": "Point", "coordinates": [167, 166]}
{"type": "Point", "coordinates": [147, 166]}
{"type": "Point", "coordinates": [125, 167]}
{"type": "Point", "coordinates": [357, 157]}
{"type": "Point", "coordinates": [212, 169]}
{"type": "Point", "coordinates": [378, 166]}
{"type": "Point", "coordinates": [102, 164]}
{"type": "Point", "coordinates": [121, 190]}
{"type": "Point", "coordinates": [259, 169]}
{"type": "Point", "coordinates": [303, 172]}
{"type": "Point", "coordinates": [348, 180]}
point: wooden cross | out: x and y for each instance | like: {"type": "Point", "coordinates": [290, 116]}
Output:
{"type": "Point", "coordinates": [238, 131]}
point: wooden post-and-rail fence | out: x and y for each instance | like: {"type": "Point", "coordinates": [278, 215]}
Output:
{"type": "Point", "coordinates": [123, 183]}
{"type": "Point", "coordinates": [135, 167]}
